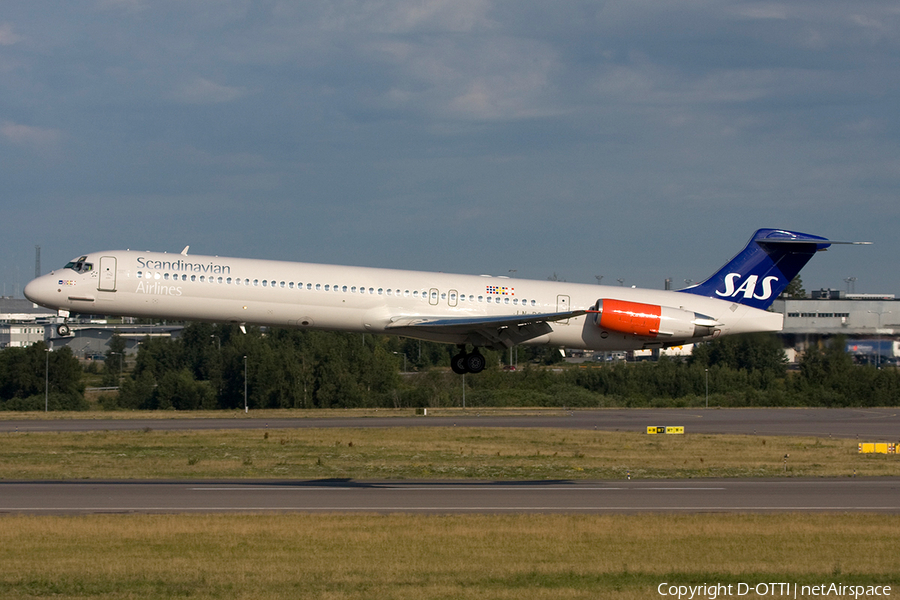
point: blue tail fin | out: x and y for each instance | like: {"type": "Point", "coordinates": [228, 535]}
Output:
{"type": "Point", "coordinates": [763, 269]}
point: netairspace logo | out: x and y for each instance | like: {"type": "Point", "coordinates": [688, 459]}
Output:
{"type": "Point", "coordinates": [772, 590]}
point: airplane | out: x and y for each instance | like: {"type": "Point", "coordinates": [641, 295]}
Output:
{"type": "Point", "coordinates": [465, 310]}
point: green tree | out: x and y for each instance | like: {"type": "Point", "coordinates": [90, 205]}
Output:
{"type": "Point", "coordinates": [794, 289]}
{"type": "Point", "coordinates": [27, 374]}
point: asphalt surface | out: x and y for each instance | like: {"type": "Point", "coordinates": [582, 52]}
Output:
{"type": "Point", "coordinates": [626, 496]}
{"type": "Point", "coordinates": [882, 424]}
{"type": "Point", "coordinates": [599, 497]}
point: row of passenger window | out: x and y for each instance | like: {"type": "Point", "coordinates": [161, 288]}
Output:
{"type": "Point", "coordinates": [453, 297]}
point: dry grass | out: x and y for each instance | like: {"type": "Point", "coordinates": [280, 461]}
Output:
{"type": "Point", "coordinates": [407, 557]}
{"type": "Point", "coordinates": [426, 453]}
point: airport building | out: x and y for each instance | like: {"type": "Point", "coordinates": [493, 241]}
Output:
{"type": "Point", "coordinates": [870, 322]}
{"type": "Point", "coordinates": [23, 323]}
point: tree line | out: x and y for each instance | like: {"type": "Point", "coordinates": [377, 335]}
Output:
{"type": "Point", "coordinates": [218, 366]}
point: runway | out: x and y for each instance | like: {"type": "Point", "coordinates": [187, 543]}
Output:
{"type": "Point", "coordinates": [880, 495]}
{"type": "Point", "coordinates": [881, 424]}
{"type": "Point", "coordinates": [625, 496]}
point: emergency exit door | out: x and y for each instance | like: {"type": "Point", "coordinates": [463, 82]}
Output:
{"type": "Point", "coordinates": [562, 305]}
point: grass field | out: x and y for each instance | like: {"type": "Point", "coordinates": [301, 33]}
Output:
{"type": "Point", "coordinates": [411, 557]}
{"type": "Point", "coordinates": [426, 453]}
{"type": "Point", "coordinates": [349, 557]}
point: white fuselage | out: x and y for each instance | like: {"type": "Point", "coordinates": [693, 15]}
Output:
{"type": "Point", "coordinates": [354, 299]}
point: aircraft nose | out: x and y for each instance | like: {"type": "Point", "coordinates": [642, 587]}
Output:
{"type": "Point", "coordinates": [40, 290]}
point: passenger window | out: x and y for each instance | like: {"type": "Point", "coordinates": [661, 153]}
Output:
{"type": "Point", "coordinates": [138, 274]}
{"type": "Point", "coordinates": [220, 280]}
{"type": "Point", "coordinates": [344, 289]}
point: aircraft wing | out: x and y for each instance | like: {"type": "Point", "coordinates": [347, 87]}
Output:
{"type": "Point", "coordinates": [497, 332]}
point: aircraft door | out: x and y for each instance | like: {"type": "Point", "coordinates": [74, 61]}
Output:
{"type": "Point", "coordinates": [107, 274]}
{"type": "Point", "coordinates": [453, 298]}
{"type": "Point", "coordinates": [562, 305]}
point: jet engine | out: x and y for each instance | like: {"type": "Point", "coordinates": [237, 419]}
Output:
{"type": "Point", "coordinates": [651, 320]}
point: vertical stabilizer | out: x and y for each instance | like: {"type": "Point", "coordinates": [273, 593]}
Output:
{"type": "Point", "coordinates": [763, 269]}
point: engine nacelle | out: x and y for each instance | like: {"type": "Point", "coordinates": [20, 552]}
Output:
{"type": "Point", "coordinates": [651, 320]}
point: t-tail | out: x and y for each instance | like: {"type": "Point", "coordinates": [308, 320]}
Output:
{"type": "Point", "coordinates": [764, 268]}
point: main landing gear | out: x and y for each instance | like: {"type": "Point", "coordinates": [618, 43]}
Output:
{"type": "Point", "coordinates": [467, 362]}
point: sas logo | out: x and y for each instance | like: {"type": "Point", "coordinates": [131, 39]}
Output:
{"type": "Point", "coordinates": [748, 288]}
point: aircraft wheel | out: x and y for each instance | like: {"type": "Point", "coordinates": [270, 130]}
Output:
{"type": "Point", "coordinates": [458, 363]}
{"type": "Point", "coordinates": [475, 362]}
{"type": "Point", "coordinates": [62, 330]}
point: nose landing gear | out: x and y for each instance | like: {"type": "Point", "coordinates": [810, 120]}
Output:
{"type": "Point", "coordinates": [467, 362]}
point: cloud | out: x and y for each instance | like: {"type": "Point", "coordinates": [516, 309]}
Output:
{"type": "Point", "coordinates": [39, 138]}
{"type": "Point", "coordinates": [7, 36]}
{"type": "Point", "coordinates": [204, 91]}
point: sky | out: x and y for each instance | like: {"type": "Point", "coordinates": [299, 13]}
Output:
{"type": "Point", "coordinates": [630, 140]}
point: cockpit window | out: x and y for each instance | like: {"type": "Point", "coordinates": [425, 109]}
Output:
{"type": "Point", "coordinates": [80, 266]}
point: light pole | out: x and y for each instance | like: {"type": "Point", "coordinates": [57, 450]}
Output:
{"type": "Point", "coordinates": [707, 388]}
{"type": "Point", "coordinates": [246, 407]}
{"type": "Point", "coordinates": [47, 380]}
{"type": "Point", "coordinates": [404, 359]}
{"type": "Point", "coordinates": [464, 390]}
{"type": "Point", "coordinates": [121, 362]}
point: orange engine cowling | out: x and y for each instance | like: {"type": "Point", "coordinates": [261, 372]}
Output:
{"type": "Point", "coordinates": [651, 320]}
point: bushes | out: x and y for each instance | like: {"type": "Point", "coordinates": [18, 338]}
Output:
{"type": "Point", "coordinates": [204, 369]}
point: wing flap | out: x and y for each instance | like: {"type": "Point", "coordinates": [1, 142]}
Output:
{"type": "Point", "coordinates": [501, 331]}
